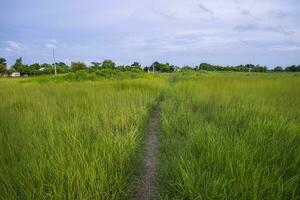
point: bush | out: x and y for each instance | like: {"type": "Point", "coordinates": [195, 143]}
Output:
{"type": "Point", "coordinates": [107, 73]}
{"type": "Point", "coordinates": [70, 76]}
{"type": "Point", "coordinates": [81, 75]}
{"type": "Point", "coordinates": [92, 77]}
{"type": "Point", "coordinates": [78, 66]}
{"type": "Point", "coordinates": [78, 76]}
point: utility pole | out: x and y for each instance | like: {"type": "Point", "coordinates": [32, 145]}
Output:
{"type": "Point", "coordinates": [153, 68]}
{"type": "Point", "coordinates": [55, 72]}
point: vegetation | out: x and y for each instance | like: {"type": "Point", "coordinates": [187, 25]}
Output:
{"type": "Point", "coordinates": [231, 137]}
{"type": "Point", "coordinates": [72, 140]}
{"type": "Point", "coordinates": [2, 65]}
{"type": "Point", "coordinates": [78, 135]}
{"type": "Point", "coordinates": [293, 68]}
{"type": "Point", "coordinates": [240, 68]}
{"type": "Point", "coordinates": [77, 66]}
{"type": "Point", "coordinates": [46, 69]}
{"type": "Point", "coordinates": [160, 67]}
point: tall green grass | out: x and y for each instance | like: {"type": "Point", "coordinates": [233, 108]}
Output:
{"type": "Point", "coordinates": [72, 140]}
{"type": "Point", "coordinates": [231, 137]}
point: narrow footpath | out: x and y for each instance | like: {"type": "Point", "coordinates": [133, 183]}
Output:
{"type": "Point", "coordinates": [147, 186]}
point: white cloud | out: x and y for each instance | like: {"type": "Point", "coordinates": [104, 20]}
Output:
{"type": "Point", "coordinates": [50, 45]}
{"type": "Point", "coordinates": [15, 46]}
{"type": "Point", "coordinates": [8, 49]}
{"type": "Point", "coordinates": [52, 41]}
{"type": "Point", "coordinates": [164, 29]}
{"type": "Point", "coordinates": [285, 48]}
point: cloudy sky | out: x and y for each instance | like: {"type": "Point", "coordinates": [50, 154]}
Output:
{"type": "Point", "coordinates": [181, 32]}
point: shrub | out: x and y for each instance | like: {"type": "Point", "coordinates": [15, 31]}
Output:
{"type": "Point", "coordinates": [107, 73]}
{"type": "Point", "coordinates": [70, 76]}
{"type": "Point", "coordinates": [92, 76]}
{"type": "Point", "coordinates": [81, 75]}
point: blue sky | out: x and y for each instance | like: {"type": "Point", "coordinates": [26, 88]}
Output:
{"type": "Point", "coordinates": [189, 32]}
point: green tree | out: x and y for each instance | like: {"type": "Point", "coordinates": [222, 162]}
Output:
{"type": "Point", "coordinates": [95, 66]}
{"type": "Point", "coordinates": [133, 67]}
{"type": "Point", "coordinates": [2, 65]}
{"type": "Point", "coordinates": [186, 68]}
{"type": "Point", "coordinates": [136, 65]}
{"type": "Point", "coordinates": [293, 68]}
{"type": "Point", "coordinates": [76, 66]}
{"type": "Point", "coordinates": [108, 64]}
{"type": "Point", "coordinates": [123, 67]}
{"type": "Point", "coordinates": [155, 65]}
{"type": "Point", "coordinates": [62, 67]}
{"type": "Point", "coordinates": [18, 64]}
{"type": "Point", "coordinates": [35, 69]}
{"type": "Point", "coordinates": [208, 67]}
{"type": "Point", "coordinates": [46, 69]}
{"type": "Point", "coordinates": [20, 67]}
{"type": "Point", "coordinates": [278, 69]}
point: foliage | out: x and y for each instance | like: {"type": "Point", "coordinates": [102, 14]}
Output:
{"type": "Point", "coordinates": [76, 66]}
{"type": "Point", "coordinates": [62, 67]}
{"type": "Point", "coordinates": [107, 73]}
{"type": "Point", "coordinates": [95, 66]}
{"type": "Point", "coordinates": [278, 69]}
{"type": "Point", "coordinates": [227, 136]}
{"type": "Point", "coordinates": [160, 67]}
{"type": "Point", "coordinates": [293, 68]}
{"type": "Point", "coordinates": [2, 65]}
{"type": "Point", "coordinates": [79, 75]}
{"type": "Point", "coordinates": [239, 68]}
{"type": "Point", "coordinates": [186, 68]}
{"type": "Point", "coordinates": [36, 68]}
{"type": "Point", "coordinates": [92, 76]}
{"type": "Point", "coordinates": [20, 67]}
{"type": "Point", "coordinates": [108, 64]}
{"type": "Point", "coordinates": [136, 67]}
{"type": "Point", "coordinates": [72, 140]}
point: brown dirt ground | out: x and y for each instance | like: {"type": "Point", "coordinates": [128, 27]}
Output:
{"type": "Point", "coordinates": [146, 188]}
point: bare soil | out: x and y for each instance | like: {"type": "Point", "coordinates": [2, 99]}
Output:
{"type": "Point", "coordinates": [146, 188]}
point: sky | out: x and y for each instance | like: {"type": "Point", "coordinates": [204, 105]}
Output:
{"type": "Point", "coordinates": [189, 32]}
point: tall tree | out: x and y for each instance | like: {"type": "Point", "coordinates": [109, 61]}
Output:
{"type": "Point", "coordinates": [62, 67]}
{"type": "Point", "coordinates": [293, 68]}
{"type": "Point", "coordinates": [108, 64]}
{"type": "Point", "coordinates": [75, 66]}
{"type": "Point", "coordinates": [95, 66]}
{"type": "Point", "coordinates": [2, 65]}
{"type": "Point", "coordinates": [136, 65]}
{"type": "Point", "coordinates": [278, 69]}
{"type": "Point", "coordinates": [18, 64]}
{"type": "Point", "coordinates": [20, 67]}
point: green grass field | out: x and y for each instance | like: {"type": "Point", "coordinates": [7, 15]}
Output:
{"type": "Point", "coordinates": [232, 136]}
{"type": "Point", "coordinates": [72, 140]}
{"type": "Point", "coordinates": [223, 136]}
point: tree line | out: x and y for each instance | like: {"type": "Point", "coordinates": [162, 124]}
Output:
{"type": "Point", "coordinates": [45, 68]}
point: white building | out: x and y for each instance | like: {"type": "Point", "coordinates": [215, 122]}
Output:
{"type": "Point", "coordinates": [15, 74]}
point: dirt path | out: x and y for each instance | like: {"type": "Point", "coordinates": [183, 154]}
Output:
{"type": "Point", "coordinates": [147, 185]}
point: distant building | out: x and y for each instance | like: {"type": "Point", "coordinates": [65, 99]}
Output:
{"type": "Point", "coordinates": [15, 74]}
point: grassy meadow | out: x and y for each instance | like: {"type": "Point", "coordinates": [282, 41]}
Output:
{"type": "Point", "coordinates": [223, 136]}
{"type": "Point", "coordinates": [231, 136]}
{"type": "Point", "coordinates": [72, 140]}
